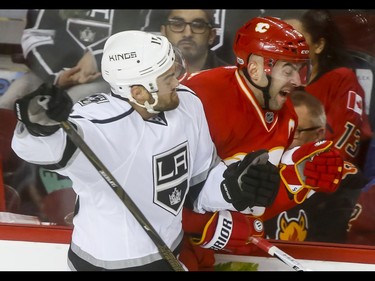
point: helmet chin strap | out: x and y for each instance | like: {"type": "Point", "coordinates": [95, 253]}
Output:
{"type": "Point", "coordinates": [149, 107]}
{"type": "Point", "coordinates": [265, 90]}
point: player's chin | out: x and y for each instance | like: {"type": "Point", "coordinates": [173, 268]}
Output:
{"type": "Point", "coordinates": [279, 102]}
{"type": "Point", "coordinates": [281, 99]}
{"type": "Point", "coordinates": [173, 104]}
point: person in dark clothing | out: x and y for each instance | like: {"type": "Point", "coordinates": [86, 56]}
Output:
{"type": "Point", "coordinates": [192, 32]}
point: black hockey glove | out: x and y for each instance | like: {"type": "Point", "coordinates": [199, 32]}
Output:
{"type": "Point", "coordinates": [42, 110]}
{"type": "Point", "coordinates": [254, 181]}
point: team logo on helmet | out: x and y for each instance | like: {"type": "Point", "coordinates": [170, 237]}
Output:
{"type": "Point", "coordinates": [262, 27]}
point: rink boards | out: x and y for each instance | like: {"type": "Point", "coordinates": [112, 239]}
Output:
{"type": "Point", "coordinates": [44, 248]}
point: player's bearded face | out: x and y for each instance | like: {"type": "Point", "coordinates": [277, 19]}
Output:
{"type": "Point", "coordinates": [285, 77]}
{"type": "Point", "coordinates": [167, 83]}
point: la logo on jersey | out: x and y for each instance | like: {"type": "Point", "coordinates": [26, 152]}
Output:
{"type": "Point", "coordinates": [171, 178]}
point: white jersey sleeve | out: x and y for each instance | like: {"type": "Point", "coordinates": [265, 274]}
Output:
{"type": "Point", "coordinates": [210, 198]}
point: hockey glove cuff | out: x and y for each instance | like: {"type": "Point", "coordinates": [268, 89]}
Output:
{"type": "Point", "coordinates": [315, 165]}
{"type": "Point", "coordinates": [228, 230]}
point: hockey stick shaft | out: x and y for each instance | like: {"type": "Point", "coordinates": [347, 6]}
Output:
{"type": "Point", "coordinates": [165, 252]}
{"type": "Point", "coordinates": [278, 253]}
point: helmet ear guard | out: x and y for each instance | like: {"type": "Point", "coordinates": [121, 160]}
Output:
{"type": "Point", "coordinates": [135, 57]}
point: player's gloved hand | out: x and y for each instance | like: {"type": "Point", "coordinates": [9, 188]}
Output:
{"type": "Point", "coordinates": [226, 230]}
{"type": "Point", "coordinates": [254, 181]}
{"type": "Point", "coordinates": [314, 165]}
{"type": "Point", "coordinates": [42, 110]}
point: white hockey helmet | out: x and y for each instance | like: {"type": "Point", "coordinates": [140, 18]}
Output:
{"type": "Point", "coordinates": [135, 58]}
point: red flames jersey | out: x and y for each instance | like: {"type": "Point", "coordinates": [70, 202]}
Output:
{"type": "Point", "coordinates": [238, 124]}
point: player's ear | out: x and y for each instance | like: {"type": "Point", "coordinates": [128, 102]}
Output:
{"type": "Point", "coordinates": [138, 92]}
{"type": "Point", "coordinates": [255, 70]}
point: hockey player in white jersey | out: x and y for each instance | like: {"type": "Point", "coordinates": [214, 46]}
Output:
{"type": "Point", "coordinates": [151, 133]}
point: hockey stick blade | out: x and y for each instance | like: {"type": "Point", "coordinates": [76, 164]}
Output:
{"type": "Point", "coordinates": [164, 251]}
{"type": "Point", "coordinates": [278, 253]}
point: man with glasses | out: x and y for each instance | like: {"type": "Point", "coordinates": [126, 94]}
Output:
{"type": "Point", "coordinates": [311, 118]}
{"type": "Point", "coordinates": [193, 32]}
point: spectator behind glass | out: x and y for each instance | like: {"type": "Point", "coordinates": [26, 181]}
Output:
{"type": "Point", "coordinates": [193, 32]}
{"type": "Point", "coordinates": [335, 84]}
{"type": "Point", "coordinates": [311, 118]}
{"type": "Point", "coordinates": [64, 47]}
{"type": "Point", "coordinates": [325, 216]}
{"type": "Point", "coordinates": [227, 22]}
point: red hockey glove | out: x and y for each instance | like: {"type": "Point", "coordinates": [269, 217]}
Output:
{"type": "Point", "coordinates": [254, 181]}
{"type": "Point", "coordinates": [314, 165]}
{"type": "Point", "coordinates": [228, 230]}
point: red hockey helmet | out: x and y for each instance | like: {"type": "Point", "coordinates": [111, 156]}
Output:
{"type": "Point", "coordinates": [272, 39]}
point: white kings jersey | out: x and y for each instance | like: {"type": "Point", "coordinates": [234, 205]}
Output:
{"type": "Point", "coordinates": [156, 161]}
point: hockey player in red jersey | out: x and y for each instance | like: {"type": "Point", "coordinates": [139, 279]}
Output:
{"type": "Point", "coordinates": [248, 109]}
